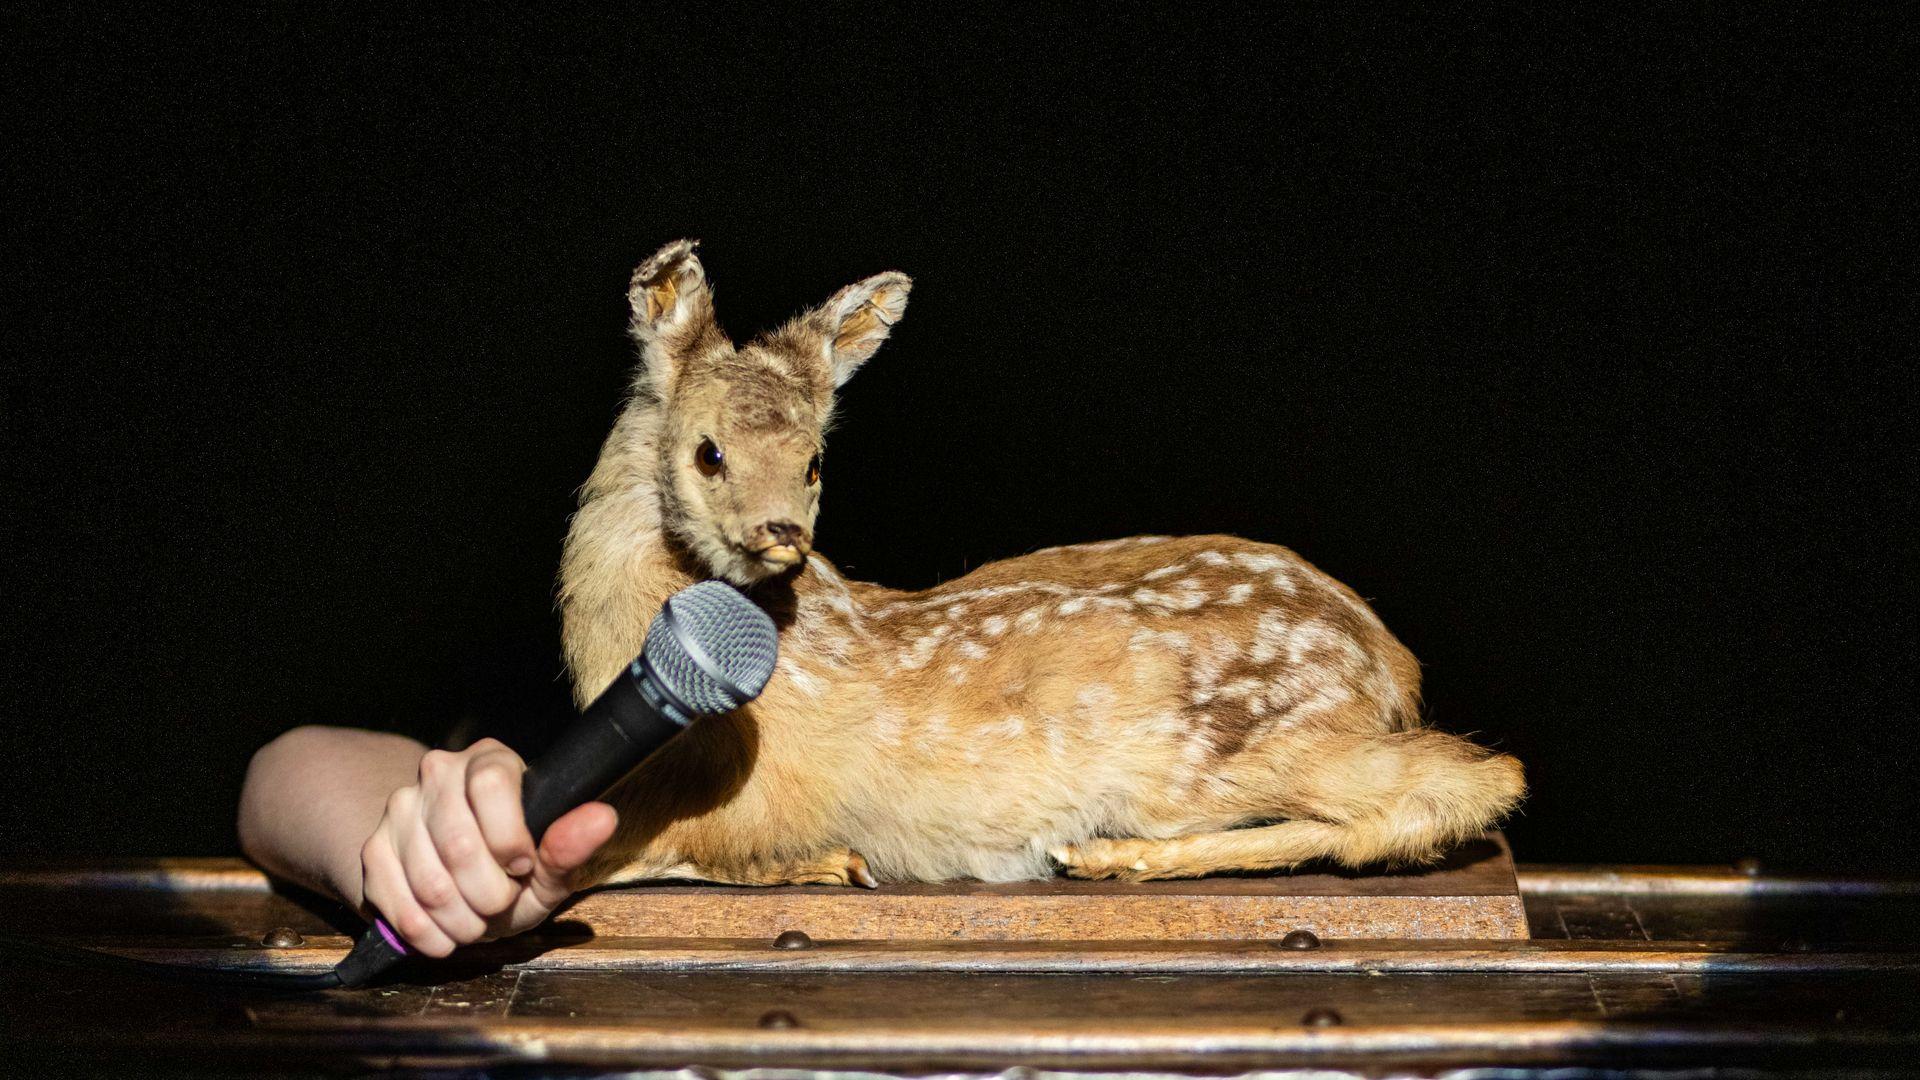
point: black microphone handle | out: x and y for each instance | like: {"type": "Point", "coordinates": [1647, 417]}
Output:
{"type": "Point", "coordinates": [623, 725]}
{"type": "Point", "coordinates": [619, 730]}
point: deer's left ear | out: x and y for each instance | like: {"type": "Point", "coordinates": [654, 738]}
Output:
{"type": "Point", "coordinates": [857, 319]}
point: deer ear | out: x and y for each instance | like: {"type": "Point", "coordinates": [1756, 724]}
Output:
{"type": "Point", "coordinates": [672, 306]}
{"type": "Point", "coordinates": [857, 319]}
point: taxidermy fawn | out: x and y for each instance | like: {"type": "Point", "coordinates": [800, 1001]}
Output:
{"type": "Point", "coordinates": [1153, 707]}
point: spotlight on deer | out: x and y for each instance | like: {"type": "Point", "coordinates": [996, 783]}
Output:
{"type": "Point", "coordinates": [1141, 708]}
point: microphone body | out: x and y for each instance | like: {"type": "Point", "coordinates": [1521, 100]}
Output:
{"type": "Point", "coordinates": [619, 730]}
{"type": "Point", "coordinates": [717, 654]}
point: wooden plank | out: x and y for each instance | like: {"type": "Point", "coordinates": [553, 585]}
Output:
{"type": "Point", "coordinates": [1729, 992]}
{"type": "Point", "coordinates": [988, 1002]}
{"type": "Point", "coordinates": [1604, 917]}
{"type": "Point", "coordinates": [1622, 996]}
{"type": "Point", "coordinates": [1473, 894]}
{"type": "Point", "coordinates": [915, 1023]}
{"type": "Point", "coordinates": [1539, 878]}
{"type": "Point", "coordinates": [1126, 1014]}
{"type": "Point", "coordinates": [1168, 915]}
{"type": "Point", "coordinates": [1807, 1049]}
{"type": "Point", "coordinates": [1115, 957]}
{"type": "Point", "coordinates": [226, 898]}
{"type": "Point", "coordinates": [474, 1000]}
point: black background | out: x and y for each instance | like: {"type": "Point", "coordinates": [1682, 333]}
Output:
{"type": "Point", "coordinates": [1578, 345]}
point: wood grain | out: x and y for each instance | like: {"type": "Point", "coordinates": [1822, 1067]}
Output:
{"type": "Point", "coordinates": [1047, 957]}
{"type": "Point", "coordinates": [1622, 970]}
{"type": "Point", "coordinates": [1473, 894]}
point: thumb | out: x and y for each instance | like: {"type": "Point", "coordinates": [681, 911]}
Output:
{"type": "Point", "coordinates": [569, 842]}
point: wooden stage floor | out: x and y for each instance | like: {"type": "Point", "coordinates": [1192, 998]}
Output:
{"type": "Point", "coordinates": [1651, 968]}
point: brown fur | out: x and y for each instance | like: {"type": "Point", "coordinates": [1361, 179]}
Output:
{"type": "Point", "coordinates": [1140, 708]}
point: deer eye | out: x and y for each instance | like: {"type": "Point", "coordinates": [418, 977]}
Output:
{"type": "Point", "coordinates": [707, 458]}
{"type": "Point", "coordinates": [813, 470]}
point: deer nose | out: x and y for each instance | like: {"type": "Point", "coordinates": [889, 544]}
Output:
{"type": "Point", "coordinates": [786, 543]}
{"type": "Point", "coordinates": [787, 533]}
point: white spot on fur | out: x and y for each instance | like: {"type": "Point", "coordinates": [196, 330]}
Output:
{"type": "Point", "coordinates": [1028, 622]}
{"type": "Point", "coordinates": [808, 683]}
{"type": "Point", "coordinates": [1094, 697]}
{"type": "Point", "coordinates": [828, 646]}
{"type": "Point", "coordinates": [1296, 696]}
{"type": "Point", "coordinates": [1207, 664]}
{"type": "Point", "coordinates": [1269, 637]}
{"type": "Point", "coordinates": [1240, 688]}
{"type": "Point", "coordinates": [1238, 593]}
{"type": "Point", "coordinates": [993, 626]}
{"type": "Point", "coordinates": [918, 653]}
{"type": "Point", "coordinates": [973, 650]}
{"type": "Point", "coordinates": [1185, 599]}
{"type": "Point", "coordinates": [990, 592]}
{"type": "Point", "coordinates": [888, 725]}
{"type": "Point", "coordinates": [1194, 750]}
{"type": "Point", "coordinates": [1055, 736]}
{"type": "Point", "coordinates": [1074, 606]}
{"type": "Point", "coordinates": [836, 593]}
{"type": "Point", "coordinates": [1165, 571]}
{"type": "Point", "coordinates": [1259, 562]}
{"type": "Point", "coordinates": [1146, 638]}
{"type": "Point", "coordinates": [1316, 636]}
{"type": "Point", "coordinates": [934, 728]}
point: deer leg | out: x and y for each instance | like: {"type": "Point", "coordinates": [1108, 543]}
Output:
{"type": "Point", "coordinates": [843, 866]}
{"type": "Point", "coordinates": [1269, 847]}
{"type": "Point", "coordinates": [1388, 799]}
{"type": "Point", "coordinates": [840, 866]}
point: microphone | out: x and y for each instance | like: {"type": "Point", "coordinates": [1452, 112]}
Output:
{"type": "Point", "coordinates": [710, 650]}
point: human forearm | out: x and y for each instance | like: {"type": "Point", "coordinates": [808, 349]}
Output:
{"type": "Point", "coordinates": [436, 841]}
{"type": "Point", "coordinates": [312, 797]}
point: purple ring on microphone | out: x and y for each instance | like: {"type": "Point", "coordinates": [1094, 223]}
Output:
{"type": "Point", "coordinates": [387, 932]}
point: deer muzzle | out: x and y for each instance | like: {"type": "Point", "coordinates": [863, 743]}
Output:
{"type": "Point", "coordinates": [782, 543]}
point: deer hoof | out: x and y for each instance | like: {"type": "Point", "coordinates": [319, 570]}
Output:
{"type": "Point", "coordinates": [844, 867]}
{"type": "Point", "coordinates": [1120, 860]}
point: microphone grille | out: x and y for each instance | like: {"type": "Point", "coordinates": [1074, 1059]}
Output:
{"type": "Point", "coordinates": [734, 638]}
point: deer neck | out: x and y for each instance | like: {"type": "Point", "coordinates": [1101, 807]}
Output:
{"type": "Point", "coordinates": [619, 565]}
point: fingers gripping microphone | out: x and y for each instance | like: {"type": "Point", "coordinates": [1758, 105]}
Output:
{"type": "Point", "coordinates": [710, 650]}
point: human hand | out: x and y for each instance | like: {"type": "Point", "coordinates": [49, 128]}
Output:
{"type": "Point", "coordinates": [451, 861]}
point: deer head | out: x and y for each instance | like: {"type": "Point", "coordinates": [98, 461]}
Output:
{"type": "Point", "coordinates": [743, 427]}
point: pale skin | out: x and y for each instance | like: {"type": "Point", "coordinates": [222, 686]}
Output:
{"type": "Point", "coordinates": [432, 840]}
